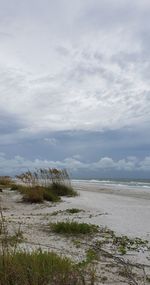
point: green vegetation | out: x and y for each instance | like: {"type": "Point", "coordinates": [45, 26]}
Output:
{"type": "Point", "coordinates": [36, 267]}
{"type": "Point", "coordinates": [50, 196]}
{"type": "Point", "coordinates": [6, 181]}
{"type": "Point", "coordinates": [33, 195]}
{"type": "Point", "coordinates": [74, 228]}
{"type": "Point", "coordinates": [22, 268]}
{"type": "Point", "coordinates": [91, 255]}
{"type": "Point", "coordinates": [44, 184]}
{"type": "Point", "coordinates": [125, 243]}
{"type": "Point", "coordinates": [62, 190]}
{"type": "Point", "coordinates": [45, 177]}
{"type": "Point", "coordinates": [74, 211]}
{"type": "Point", "coordinates": [77, 243]}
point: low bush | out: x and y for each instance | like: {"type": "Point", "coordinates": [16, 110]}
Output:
{"type": "Point", "coordinates": [73, 228]}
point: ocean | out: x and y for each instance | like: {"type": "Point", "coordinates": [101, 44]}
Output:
{"type": "Point", "coordinates": [115, 183]}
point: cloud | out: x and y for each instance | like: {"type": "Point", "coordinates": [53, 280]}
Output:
{"type": "Point", "coordinates": [50, 141]}
{"type": "Point", "coordinates": [19, 164]}
{"type": "Point", "coordinates": [145, 164]}
{"type": "Point", "coordinates": [69, 68]}
{"type": "Point", "coordinates": [85, 71]}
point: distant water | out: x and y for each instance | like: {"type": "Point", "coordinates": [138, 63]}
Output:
{"type": "Point", "coordinates": [118, 183]}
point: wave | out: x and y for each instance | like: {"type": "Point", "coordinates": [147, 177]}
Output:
{"type": "Point", "coordinates": [116, 183]}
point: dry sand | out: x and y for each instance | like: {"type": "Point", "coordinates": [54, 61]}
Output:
{"type": "Point", "coordinates": [125, 212]}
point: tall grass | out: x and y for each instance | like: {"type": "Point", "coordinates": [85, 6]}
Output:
{"type": "Point", "coordinates": [36, 268]}
{"type": "Point", "coordinates": [45, 177]}
{"type": "Point", "coordinates": [5, 181]}
{"type": "Point", "coordinates": [44, 184]}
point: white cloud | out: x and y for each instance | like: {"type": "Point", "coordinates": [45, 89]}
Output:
{"type": "Point", "coordinates": [19, 164]}
{"type": "Point", "coordinates": [145, 164]}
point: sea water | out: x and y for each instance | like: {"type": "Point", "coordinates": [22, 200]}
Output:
{"type": "Point", "coordinates": [114, 183]}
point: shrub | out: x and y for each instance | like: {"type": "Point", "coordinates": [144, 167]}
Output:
{"type": "Point", "coordinates": [73, 228]}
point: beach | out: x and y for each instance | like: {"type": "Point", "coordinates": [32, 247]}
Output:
{"type": "Point", "coordinates": [126, 211]}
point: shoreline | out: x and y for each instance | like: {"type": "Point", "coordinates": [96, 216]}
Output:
{"type": "Point", "coordinates": [123, 190]}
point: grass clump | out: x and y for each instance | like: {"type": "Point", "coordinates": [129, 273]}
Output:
{"type": "Point", "coordinates": [44, 184]}
{"type": "Point", "coordinates": [74, 211]}
{"type": "Point", "coordinates": [62, 189]}
{"type": "Point", "coordinates": [33, 195]}
{"type": "Point", "coordinates": [22, 189]}
{"type": "Point", "coordinates": [38, 194]}
{"type": "Point", "coordinates": [5, 181]}
{"type": "Point", "coordinates": [22, 268]}
{"type": "Point", "coordinates": [50, 196]}
{"type": "Point", "coordinates": [73, 228]}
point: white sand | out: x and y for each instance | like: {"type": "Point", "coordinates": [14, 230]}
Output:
{"type": "Point", "coordinates": [128, 209]}
{"type": "Point", "coordinates": [125, 211]}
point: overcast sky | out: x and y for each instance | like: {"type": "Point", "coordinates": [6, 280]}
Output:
{"type": "Point", "coordinates": [75, 86]}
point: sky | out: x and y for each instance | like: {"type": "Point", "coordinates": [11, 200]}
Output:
{"type": "Point", "coordinates": [74, 87]}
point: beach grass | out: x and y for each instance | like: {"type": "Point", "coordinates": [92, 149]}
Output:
{"type": "Point", "coordinates": [60, 189]}
{"type": "Point", "coordinates": [44, 184]}
{"type": "Point", "coordinates": [37, 267]}
{"type": "Point", "coordinates": [38, 194]}
{"type": "Point", "coordinates": [73, 228]}
{"type": "Point", "coordinates": [6, 181]}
